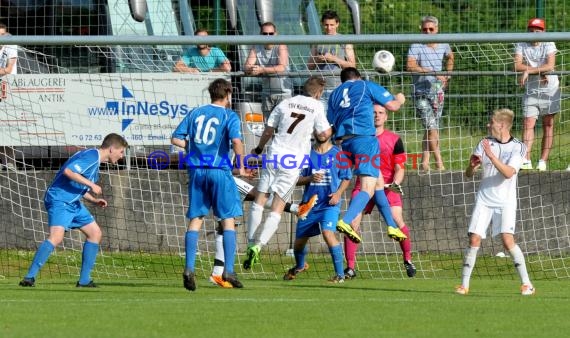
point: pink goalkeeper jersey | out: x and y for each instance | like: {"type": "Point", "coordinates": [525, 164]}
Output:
{"type": "Point", "coordinates": [391, 153]}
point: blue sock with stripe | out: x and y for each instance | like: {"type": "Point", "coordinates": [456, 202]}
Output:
{"type": "Point", "coordinates": [191, 245]}
{"type": "Point", "coordinates": [40, 258]}
{"type": "Point", "coordinates": [229, 242]}
{"type": "Point", "coordinates": [384, 207]}
{"type": "Point", "coordinates": [88, 258]}
{"type": "Point", "coordinates": [356, 206]}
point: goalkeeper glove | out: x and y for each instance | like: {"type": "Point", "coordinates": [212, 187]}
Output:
{"type": "Point", "coordinates": [395, 187]}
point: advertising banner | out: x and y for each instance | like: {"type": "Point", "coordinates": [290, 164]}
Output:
{"type": "Point", "coordinates": [80, 109]}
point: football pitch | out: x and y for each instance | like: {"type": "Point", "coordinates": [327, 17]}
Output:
{"type": "Point", "coordinates": [276, 308]}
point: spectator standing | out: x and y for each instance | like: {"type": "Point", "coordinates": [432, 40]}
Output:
{"type": "Point", "coordinates": [542, 91]}
{"type": "Point", "coordinates": [8, 65]}
{"type": "Point", "coordinates": [429, 89]}
{"type": "Point", "coordinates": [270, 61]}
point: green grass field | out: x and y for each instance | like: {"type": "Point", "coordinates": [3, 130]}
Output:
{"type": "Point", "coordinates": [274, 308]}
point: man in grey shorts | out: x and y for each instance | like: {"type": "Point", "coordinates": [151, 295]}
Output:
{"type": "Point", "coordinates": [542, 94]}
{"type": "Point", "coordinates": [429, 89]}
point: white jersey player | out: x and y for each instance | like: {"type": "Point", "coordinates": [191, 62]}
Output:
{"type": "Point", "coordinates": [291, 124]}
{"type": "Point", "coordinates": [501, 156]}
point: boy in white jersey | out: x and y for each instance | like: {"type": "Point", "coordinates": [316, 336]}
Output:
{"type": "Point", "coordinates": [501, 156]}
{"type": "Point", "coordinates": [294, 119]}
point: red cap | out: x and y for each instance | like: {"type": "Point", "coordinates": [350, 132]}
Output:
{"type": "Point", "coordinates": [537, 23]}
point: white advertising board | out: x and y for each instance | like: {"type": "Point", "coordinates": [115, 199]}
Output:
{"type": "Point", "coordinates": [80, 109]}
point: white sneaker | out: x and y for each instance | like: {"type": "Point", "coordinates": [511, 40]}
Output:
{"type": "Point", "coordinates": [526, 165]}
{"type": "Point", "coordinates": [527, 290]}
{"type": "Point", "coordinates": [541, 166]}
{"type": "Point", "coordinates": [568, 169]}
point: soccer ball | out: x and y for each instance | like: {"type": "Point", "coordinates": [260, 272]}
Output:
{"type": "Point", "coordinates": [383, 61]}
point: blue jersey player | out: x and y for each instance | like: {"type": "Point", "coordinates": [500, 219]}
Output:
{"type": "Point", "coordinates": [327, 179]}
{"type": "Point", "coordinates": [351, 113]}
{"type": "Point", "coordinates": [207, 133]}
{"type": "Point", "coordinates": [75, 180]}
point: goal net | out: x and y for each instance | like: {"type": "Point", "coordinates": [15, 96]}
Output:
{"type": "Point", "coordinates": [47, 113]}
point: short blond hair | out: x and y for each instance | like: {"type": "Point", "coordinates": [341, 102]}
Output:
{"type": "Point", "coordinates": [314, 85]}
{"type": "Point", "coordinates": [504, 115]}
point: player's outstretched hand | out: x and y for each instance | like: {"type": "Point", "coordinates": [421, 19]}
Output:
{"type": "Point", "coordinates": [101, 203]}
{"type": "Point", "coordinates": [395, 187]}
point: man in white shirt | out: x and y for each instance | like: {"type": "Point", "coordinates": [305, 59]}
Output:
{"type": "Point", "coordinates": [542, 95]}
{"type": "Point", "coordinates": [501, 156]}
{"type": "Point", "coordinates": [8, 60]}
{"type": "Point", "coordinates": [292, 122]}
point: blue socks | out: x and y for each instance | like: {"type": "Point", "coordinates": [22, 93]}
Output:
{"type": "Point", "coordinates": [336, 253]}
{"type": "Point", "coordinates": [191, 245]}
{"type": "Point", "coordinates": [229, 250]}
{"type": "Point", "coordinates": [40, 258]}
{"type": "Point", "coordinates": [384, 207]}
{"type": "Point", "coordinates": [88, 258]}
{"type": "Point", "coordinates": [357, 204]}
{"type": "Point", "coordinates": [300, 257]}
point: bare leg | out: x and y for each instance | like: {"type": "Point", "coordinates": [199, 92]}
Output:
{"type": "Point", "coordinates": [548, 136]}
{"type": "Point", "coordinates": [528, 134]}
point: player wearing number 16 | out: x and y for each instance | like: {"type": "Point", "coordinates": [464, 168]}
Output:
{"type": "Point", "coordinates": [206, 133]}
{"type": "Point", "coordinates": [292, 122]}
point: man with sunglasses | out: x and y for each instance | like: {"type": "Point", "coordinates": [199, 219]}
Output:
{"type": "Point", "coordinates": [270, 61]}
{"type": "Point", "coordinates": [542, 94]}
{"type": "Point", "coordinates": [429, 88]}
{"type": "Point", "coordinates": [203, 58]}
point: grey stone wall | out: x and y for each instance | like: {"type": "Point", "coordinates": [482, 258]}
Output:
{"type": "Point", "coordinates": [146, 212]}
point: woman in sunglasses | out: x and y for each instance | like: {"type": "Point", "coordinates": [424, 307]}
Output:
{"type": "Point", "coordinates": [424, 60]}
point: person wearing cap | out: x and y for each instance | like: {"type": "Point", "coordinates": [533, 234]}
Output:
{"type": "Point", "coordinates": [542, 91]}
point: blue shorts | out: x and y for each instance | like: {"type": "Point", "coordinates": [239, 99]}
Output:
{"type": "Point", "coordinates": [363, 153]}
{"type": "Point", "coordinates": [212, 189]}
{"type": "Point", "coordinates": [68, 215]}
{"type": "Point", "coordinates": [317, 221]}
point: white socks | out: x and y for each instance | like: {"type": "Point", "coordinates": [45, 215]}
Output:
{"type": "Point", "coordinates": [518, 259]}
{"type": "Point", "coordinates": [269, 227]}
{"type": "Point", "coordinates": [253, 221]}
{"type": "Point", "coordinates": [468, 265]}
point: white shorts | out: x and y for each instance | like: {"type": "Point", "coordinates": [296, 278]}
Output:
{"type": "Point", "coordinates": [243, 187]}
{"type": "Point", "coordinates": [279, 181]}
{"type": "Point", "coordinates": [502, 218]}
{"type": "Point", "coordinates": [539, 105]}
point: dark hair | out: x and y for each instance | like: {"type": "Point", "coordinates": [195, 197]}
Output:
{"type": "Point", "coordinates": [219, 89]}
{"type": "Point", "coordinates": [114, 140]}
{"type": "Point", "coordinates": [329, 14]}
{"type": "Point", "coordinates": [349, 73]}
{"type": "Point", "coordinates": [268, 24]}
{"type": "Point", "coordinates": [201, 30]}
